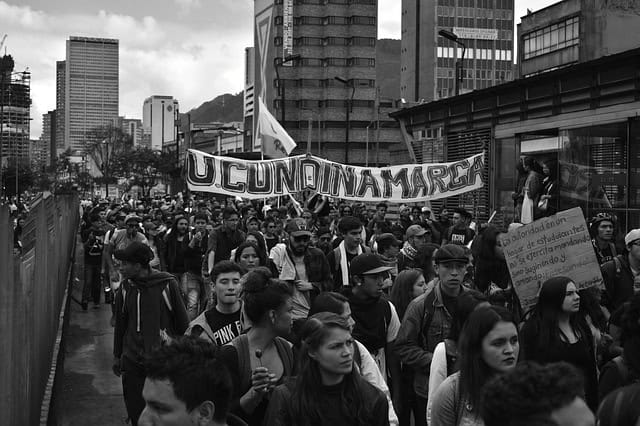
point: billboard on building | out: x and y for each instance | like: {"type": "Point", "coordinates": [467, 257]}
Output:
{"type": "Point", "coordinates": [287, 31]}
{"type": "Point", "coordinates": [476, 33]}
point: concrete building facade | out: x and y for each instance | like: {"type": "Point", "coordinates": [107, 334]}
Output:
{"type": "Point", "coordinates": [574, 31]}
{"type": "Point", "coordinates": [315, 69]}
{"type": "Point", "coordinates": [428, 60]}
{"type": "Point", "coordinates": [160, 116]}
{"type": "Point", "coordinates": [249, 95]}
{"type": "Point", "coordinates": [131, 127]}
{"type": "Point", "coordinates": [91, 87]}
{"type": "Point", "coordinates": [60, 107]}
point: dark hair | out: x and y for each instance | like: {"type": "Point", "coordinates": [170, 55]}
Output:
{"type": "Point", "coordinates": [349, 223]}
{"type": "Point", "coordinates": [195, 372]}
{"type": "Point", "coordinates": [383, 225]}
{"type": "Point", "coordinates": [402, 289]}
{"type": "Point", "coordinates": [590, 305]}
{"type": "Point", "coordinates": [545, 315]}
{"type": "Point", "coordinates": [424, 260]}
{"type": "Point", "coordinates": [529, 393]}
{"type": "Point", "coordinates": [466, 302]}
{"type": "Point", "coordinates": [329, 301]}
{"type": "Point", "coordinates": [308, 391]}
{"type": "Point", "coordinates": [260, 243]}
{"type": "Point", "coordinates": [474, 372]}
{"type": "Point", "coordinates": [200, 216]}
{"type": "Point", "coordinates": [621, 407]}
{"type": "Point", "coordinates": [381, 204]}
{"type": "Point", "coordinates": [630, 324]}
{"type": "Point", "coordinates": [261, 255]}
{"type": "Point", "coordinates": [228, 212]}
{"type": "Point", "coordinates": [262, 293]}
{"type": "Point", "coordinates": [225, 267]}
{"type": "Point", "coordinates": [464, 214]}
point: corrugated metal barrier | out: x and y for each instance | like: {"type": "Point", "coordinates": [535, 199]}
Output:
{"type": "Point", "coordinates": [32, 290]}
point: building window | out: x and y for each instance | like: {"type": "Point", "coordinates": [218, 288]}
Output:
{"type": "Point", "coordinates": [554, 37]}
{"type": "Point", "coordinates": [277, 41]}
{"type": "Point", "coordinates": [363, 20]}
{"type": "Point", "coordinates": [307, 41]}
{"type": "Point", "coordinates": [363, 41]}
{"type": "Point", "coordinates": [336, 41]}
{"type": "Point", "coordinates": [308, 20]}
{"type": "Point", "coordinates": [336, 62]}
{"type": "Point", "coordinates": [362, 62]}
{"type": "Point", "coordinates": [336, 20]}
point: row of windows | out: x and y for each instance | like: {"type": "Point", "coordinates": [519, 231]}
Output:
{"type": "Point", "coordinates": [485, 4]}
{"type": "Point", "coordinates": [329, 41]}
{"type": "Point", "coordinates": [487, 54]}
{"type": "Point", "coordinates": [330, 20]}
{"type": "Point", "coordinates": [554, 37]}
{"type": "Point", "coordinates": [325, 103]}
{"type": "Point", "coordinates": [330, 62]}
{"type": "Point", "coordinates": [365, 2]}
{"type": "Point", "coordinates": [324, 83]}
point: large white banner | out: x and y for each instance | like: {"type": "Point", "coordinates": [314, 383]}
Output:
{"type": "Point", "coordinates": [404, 183]}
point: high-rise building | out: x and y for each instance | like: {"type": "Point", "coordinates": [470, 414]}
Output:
{"type": "Point", "coordinates": [60, 100]}
{"type": "Point", "coordinates": [15, 113]}
{"type": "Point", "coordinates": [131, 127]}
{"type": "Point", "coordinates": [428, 60]}
{"type": "Point", "coordinates": [249, 101]}
{"type": "Point", "coordinates": [91, 87]}
{"type": "Point", "coordinates": [315, 70]}
{"type": "Point", "coordinates": [574, 31]}
{"type": "Point", "coordinates": [160, 116]}
{"type": "Point", "coordinates": [42, 148]}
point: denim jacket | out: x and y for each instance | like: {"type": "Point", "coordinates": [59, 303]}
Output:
{"type": "Point", "coordinates": [415, 345]}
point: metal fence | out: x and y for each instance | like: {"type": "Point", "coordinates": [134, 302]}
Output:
{"type": "Point", "coordinates": [32, 289]}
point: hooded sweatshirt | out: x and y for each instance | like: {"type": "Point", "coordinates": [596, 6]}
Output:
{"type": "Point", "coordinates": [148, 311]}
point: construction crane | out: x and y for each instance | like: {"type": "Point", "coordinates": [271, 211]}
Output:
{"type": "Point", "coordinates": [2, 42]}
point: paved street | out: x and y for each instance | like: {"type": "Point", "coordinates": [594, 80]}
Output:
{"type": "Point", "coordinates": [92, 394]}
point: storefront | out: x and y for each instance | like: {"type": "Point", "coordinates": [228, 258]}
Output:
{"type": "Point", "coordinates": [582, 122]}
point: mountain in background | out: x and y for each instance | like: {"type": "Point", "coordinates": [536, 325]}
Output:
{"type": "Point", "coordinates": [388, 68]}
{"type": "Point", "coordinates": [222, 109]}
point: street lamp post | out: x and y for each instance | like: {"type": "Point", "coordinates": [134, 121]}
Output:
{"type": "Point", "coordinates": [449, 35]}
{"type": "Point", "coordinates": [281, 87]}
{"type": "Point", "coordinates": [349, 105]}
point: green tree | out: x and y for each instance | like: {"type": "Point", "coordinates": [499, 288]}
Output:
{"type": "Point", "coordinates": [144, 167]}
{"type": "Point", "coordinates": [25, 176]}
{"type": "Point", "coordinates": [106, 145]}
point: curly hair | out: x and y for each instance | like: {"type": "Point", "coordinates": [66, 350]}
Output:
{"type": "Point", "coordinates": [262, 293]}
{"type": "Point", "coordinates": [529, 393]}
{"type": "Point", "coordinates": [196, 375]}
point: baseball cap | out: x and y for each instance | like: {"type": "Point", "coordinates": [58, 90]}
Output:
{"type": "Point", "coordinates": [632, 236]}
{"type": "Point", "coordinates": [368, 264]}
{"type": "Point", "coordinates": [297, 227]}
{"type": "Point", "coordinates": [136, 252]}
{"type": "Point", "coordinates": [426, 209]}
{"type": "Point", "coordinates": [132, 216]}
{"type": "Point", "coordinates": [452, 253]}
{"type": "Point", "coordinates": [415, 231]}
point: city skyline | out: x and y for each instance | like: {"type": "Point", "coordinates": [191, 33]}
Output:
{"type": "Point", "coordinates": [179, 46]}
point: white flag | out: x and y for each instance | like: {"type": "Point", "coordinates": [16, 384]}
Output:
{"type": "Point", "coordinates": [276, 142]}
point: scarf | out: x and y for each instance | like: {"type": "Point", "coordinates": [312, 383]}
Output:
{"type": "Point", "coordinates": [409, 252]}
{"type": "Point", "coordinates": [344, 265]}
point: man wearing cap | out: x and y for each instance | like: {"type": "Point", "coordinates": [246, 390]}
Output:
{"type": "Point", "coordinates": [601, 228]}
{"type": "Point", "coordinates": [459, 232]}
{"type": "Point", "coordinates": [376, 320]}
{"type": "Point", "coordinates": [120, 239]}
{"type": "Point", "coordinates": [416, 237]}
{"type": "Point", "coordinates": [225, 238]}
{"type": "Point", "coordinates": [428, 319]}
{"type": "Point", "coordinates": [305, 268]}
{"type": "Point", "coordinates": [622, 274]}
{"type": "Point", "coordinates": [149, 311]}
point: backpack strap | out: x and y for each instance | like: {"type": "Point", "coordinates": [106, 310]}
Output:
{"type": "Point", "coordinates": [165, 296]}
{"type": "Point", "coordinates": [427, 316]}
{"type": "Point", "coordinates": [618, 264]}
{"type": "Point", "coordinates": [284, 350]}
{"type": "Point", "coordinates": [241, 344]}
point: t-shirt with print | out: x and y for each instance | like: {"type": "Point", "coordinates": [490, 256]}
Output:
{"type": "Point", "coordinates": [460, 236]}
{"type": "Point", "coordinates": [225, 327]}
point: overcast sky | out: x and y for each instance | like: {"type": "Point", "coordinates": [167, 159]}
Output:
{"type": "Point", "coordinates": [190, 49]}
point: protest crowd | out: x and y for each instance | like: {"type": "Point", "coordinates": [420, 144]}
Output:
{"type": "Point", "coordinates": [329, 312]}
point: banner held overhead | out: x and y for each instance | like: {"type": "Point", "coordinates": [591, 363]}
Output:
{"type": "Point", "coordinates": [403, 183]}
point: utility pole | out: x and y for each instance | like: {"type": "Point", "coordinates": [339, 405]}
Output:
{"type": "Point", "coordinates": [349, 105]}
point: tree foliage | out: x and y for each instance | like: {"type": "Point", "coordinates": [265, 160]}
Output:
{"type": "Point", "coordinates": [105, 145]}
{"type": "Point", "coordinates": [144, 167]}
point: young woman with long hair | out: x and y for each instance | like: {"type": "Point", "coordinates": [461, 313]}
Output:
{"type": "Point", "coordinates": [556, 331]}
{"type": "Point", "coordinates": [328, 390]}
{"type": "Point", "coordinates": [488, 346]}
{"type": "Point", "coordinates": [260, 359]}
{"type": "Point", "coordinates": [445, 355]}
{"type": "Point", "coordinates": [408, 285]}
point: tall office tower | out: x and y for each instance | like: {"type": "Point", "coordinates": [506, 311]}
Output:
{"type": "Point", "coordinates": [91, 87]}
{"type": "Point", "coordinates": [131, 127]}
{"type": "Point", "coordinates": [15, 113]}
{"type": "Point", "coordinates": [160, 115]}
{"type": "Point", "coordinates": [428, 59]}
{"type": "Point", "coordinates": [60, 100]}
{"type": "Point", "coordinates": [315, 72]}
{"type": "Point", "coordinates": [41, 149]}
{"type": "Point", "coordinates": [249, 101]}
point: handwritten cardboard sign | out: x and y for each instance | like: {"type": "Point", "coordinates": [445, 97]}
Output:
{"type": "Point", "coordinates": [554, 246]}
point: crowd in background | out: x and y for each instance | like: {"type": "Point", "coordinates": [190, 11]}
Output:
{"type": "Point", "coordinates": [330, 312]}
